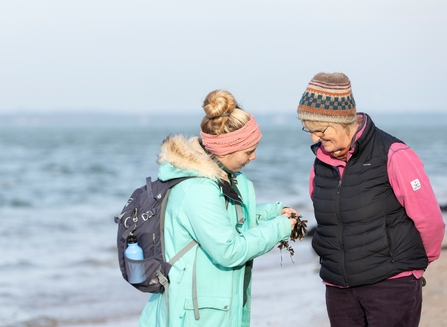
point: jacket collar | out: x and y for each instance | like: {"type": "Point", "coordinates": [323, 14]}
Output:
{"type": "Point", "coordinates": [187, 157]}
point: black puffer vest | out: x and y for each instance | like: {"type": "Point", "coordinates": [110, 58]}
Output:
{"type": "Point", "coordinates": [363, 235]}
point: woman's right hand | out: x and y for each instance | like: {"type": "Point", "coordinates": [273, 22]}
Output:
{"type": "Point", "coordinates": [293, 222]}
{"type": "Point", "coordinates": [290, 213]}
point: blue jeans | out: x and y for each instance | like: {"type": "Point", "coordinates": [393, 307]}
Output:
{"type": "Point", "coordinates": [390, 303]}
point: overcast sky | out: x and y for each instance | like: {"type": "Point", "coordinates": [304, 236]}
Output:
{"type": "Point", "coordinates": [164, 56]}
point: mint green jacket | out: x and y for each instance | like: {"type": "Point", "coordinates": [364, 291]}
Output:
{"type": "Point", "coordinates": [196, 209]}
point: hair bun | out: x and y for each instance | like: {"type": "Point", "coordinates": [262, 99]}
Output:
{"type": "Point", "coordinates": [219, 103]}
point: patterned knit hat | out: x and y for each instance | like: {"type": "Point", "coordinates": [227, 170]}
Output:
{"type": "Point", "coordinates": [328, 98]}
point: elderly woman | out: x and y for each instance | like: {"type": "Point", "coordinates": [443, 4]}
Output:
{"type": "Point", "coordinates": [379, 223]}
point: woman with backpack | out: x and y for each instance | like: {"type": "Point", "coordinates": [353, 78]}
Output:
{"type": "Point", "coordinates": [211, 284]}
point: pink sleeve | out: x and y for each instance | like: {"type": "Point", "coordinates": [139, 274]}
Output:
{"type": "Point", "coordinates": [311, 182]}
{"type": "Point", "coordinates": [413, 190]}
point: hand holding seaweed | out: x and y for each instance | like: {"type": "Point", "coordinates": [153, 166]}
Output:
{"type": "Point", "coordinates": [298, 232]}
{"type": "Point", "coordinates": [300, 229]}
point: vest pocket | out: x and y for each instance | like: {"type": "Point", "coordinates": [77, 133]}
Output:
{"type": "Point", "coordinates": [390, 245]}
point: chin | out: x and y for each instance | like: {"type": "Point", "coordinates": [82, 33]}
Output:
{"type": "Point", "coordinates": [328, 148]}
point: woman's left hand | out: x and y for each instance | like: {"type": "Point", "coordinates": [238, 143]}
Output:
{"type": "Point", "coordinates": [286, 211]}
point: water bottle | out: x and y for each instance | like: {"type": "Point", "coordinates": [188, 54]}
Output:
{"type": "Point", "coordinates": [135, 273]}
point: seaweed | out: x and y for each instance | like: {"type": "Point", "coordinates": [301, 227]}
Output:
{"type": "Point", "coordinates": [298, 233]}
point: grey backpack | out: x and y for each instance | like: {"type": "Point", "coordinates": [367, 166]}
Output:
{"type": "Point", "coordinates": [143, 217]}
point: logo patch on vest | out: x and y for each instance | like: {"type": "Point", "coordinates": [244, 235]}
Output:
{"type": "Point", "coordinates": [416, 185]}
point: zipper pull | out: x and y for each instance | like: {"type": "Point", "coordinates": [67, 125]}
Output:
{"type": "Point", "coordinates": [339, 187]}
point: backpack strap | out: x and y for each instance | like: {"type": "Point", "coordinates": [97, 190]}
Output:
{"type": "Point", "coordinates": [194, 289]}
{"type": "Point", "coordinates": [149, 187]}
{"type": "Point", "coordinates": [188, 247]}
{"type": "Point", "coordinates": [163, 279]}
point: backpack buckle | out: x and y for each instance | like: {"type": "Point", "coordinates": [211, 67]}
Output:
{"type": "Point", "coordinates": [146, 215]}
{"type": "Point", "coordinates": [162, 278]}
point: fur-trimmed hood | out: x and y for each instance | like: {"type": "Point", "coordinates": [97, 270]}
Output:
{"type": "Point", "coordinates": [180, 156]}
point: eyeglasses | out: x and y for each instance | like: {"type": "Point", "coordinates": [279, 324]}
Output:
{"type": "Point", "coordinates": [316, 133]}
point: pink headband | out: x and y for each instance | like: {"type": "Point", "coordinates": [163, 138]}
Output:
{"type": "Point", "coordinates": [240, 139]}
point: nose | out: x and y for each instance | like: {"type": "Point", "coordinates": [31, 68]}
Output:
{"type": "Point", "coordinates": [252, 156]}
{"type": "Point", "coordinates": [315, 138]}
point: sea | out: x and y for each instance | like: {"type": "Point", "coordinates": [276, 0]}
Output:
{"type": "Point", "coordinates": [63, 178]}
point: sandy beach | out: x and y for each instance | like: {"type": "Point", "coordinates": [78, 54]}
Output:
{"type": "Point", "coordinates": [434, 309]}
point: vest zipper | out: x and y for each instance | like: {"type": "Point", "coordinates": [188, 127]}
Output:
{"type": "Point", "coordinates": [340, 235]}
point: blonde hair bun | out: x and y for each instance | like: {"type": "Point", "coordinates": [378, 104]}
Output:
{"type": "Point", "coordinates": [219, 103]}
{"type": "Point", "coordinates": [223, 114]}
